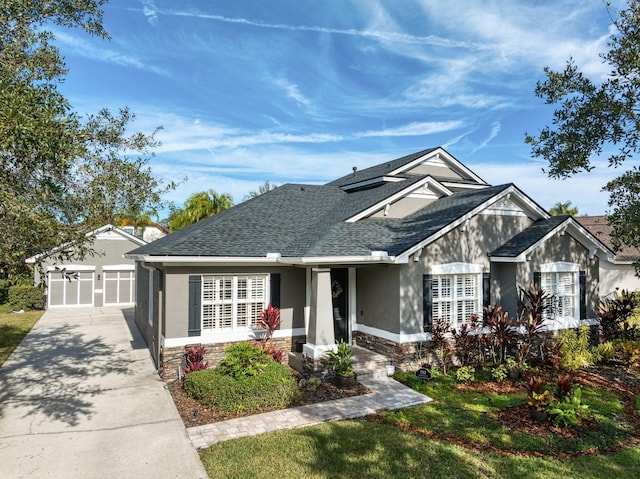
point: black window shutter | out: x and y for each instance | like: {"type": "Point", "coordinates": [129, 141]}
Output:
{"type": "Point", "coordinates": [275, 290]}
{"type": "Point", "coordinates": [427, 302]}
{"type": "Point", "coordinates": [583, 294]}
{"type": "Point", "coordinates": [486, 289]}
{"type": "Point", "coordinates": [195, 288]}
{"type": "Point", "coordinates": [537, 280]}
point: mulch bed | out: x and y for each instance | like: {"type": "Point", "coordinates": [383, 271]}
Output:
{"type": "Point", "coordinates": [622, 380]}
{"type": "Point", "coordinates": [194, 413]}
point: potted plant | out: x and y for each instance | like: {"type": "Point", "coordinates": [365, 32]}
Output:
{"type": "Point", "coordinates": [515, 368]}
{"type": "Point", "coordinates": [540, 403]}
{"type": "Point", "coordinates": [340, 363]}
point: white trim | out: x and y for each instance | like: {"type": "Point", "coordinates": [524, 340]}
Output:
{"type": "Point", "coordinates": [70, 268]}
{"type": "Point", "coordinates": [316, 351]}
{"type": "Point", "coordinates": [151, 291]}
{"type": "Point", "coordinates": [259, 261]}
{"type": "Point", "coordinates": [64, 282]}
{"type": "Point", "coordinates": [466, 186]}
{"type": "Point", "coordinates": [560, 267]}
{"type": "Point", "coordinates": [395, 337]}
{"type": "Point", "coordinates": [119, 267]}
{"type": "Point", "coordinates": [130, 277]}
{"type": "Point", "coordinates": [456, 268]}
{"type": "Point", "coordinates": [353, 302]}
{"type": "Point", "coordinates": [307, 298]}
{"type": "Point", "coordinates": [230, 336]}
{"type": "Point", "coordinates": [440, 154]}
{"type": "Point", "coordinates": [427, 180]}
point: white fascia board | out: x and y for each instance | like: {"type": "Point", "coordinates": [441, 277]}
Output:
{"type": "Point", "coordinates": [372, 181]}
{"type": "Point", "coordinates": [508, 259]}
{"type": "Point", "coordinates": [309, 260]}
{"type": "Point", "coordinates": [243, 261]}
{"type": "Point", "coordinates": [466, 186]}
{"type": "Point", "coordinates": [71, 267]}
{"type": "Point", "coordinates": [400, 194]}
{"type": "Point", "coordinates": [119, 267]}
{"type": "Point", "coordinates": [447, 157]}
{"type": "Point", "coordinates": [404, 257]}
{"type": "Point", "coordinates": [620, 262]}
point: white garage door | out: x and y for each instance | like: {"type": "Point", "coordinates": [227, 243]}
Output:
{"type": "Point", "coordinates": [119, 286]}
{"type": "Point", "coordinates": [71, 288]}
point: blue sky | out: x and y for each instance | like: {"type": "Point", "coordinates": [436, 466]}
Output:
{"type": "Point", "coordinates": [301, 91]}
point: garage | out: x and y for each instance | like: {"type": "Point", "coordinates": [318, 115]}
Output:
{"type": "Point", "coordinates": [70, 286]}
{"type": "Point", "coordinates": [119, 284]}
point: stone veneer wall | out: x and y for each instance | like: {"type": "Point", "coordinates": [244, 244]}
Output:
{"type": "Point", "coordinates": [172, 358]}
{"type": "Point", "coordinates": [400, 354]}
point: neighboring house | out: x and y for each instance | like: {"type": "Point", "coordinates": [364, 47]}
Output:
{"type": "Point", "coordinates": [148, 233]}
{"type": "Point", "coordinates": [105, 278]}
{"type": "Point", "coordinates": [617, 272]}
{"type": "Point", "coordinates": [371, 258]}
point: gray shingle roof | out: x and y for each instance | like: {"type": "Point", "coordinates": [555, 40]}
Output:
{"type": "Point", "coordinates": [599, 227]}
{"type": "Point", "coordinates": [379, 170]}
{"type": "Point", "coordinates": [529, 237]}
{"type": "Point", "coordinates": [308, 220]}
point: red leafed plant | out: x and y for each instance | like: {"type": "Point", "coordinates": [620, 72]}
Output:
{"type": "Point", "coordinates": [269, 320]}
{"type": "Point", "coordinates": [195, 359]}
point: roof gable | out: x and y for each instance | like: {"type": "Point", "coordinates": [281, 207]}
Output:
{"type": "Point", "coordinates": [599, 227]}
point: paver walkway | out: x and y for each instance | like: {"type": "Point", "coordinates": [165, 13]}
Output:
{"type": "Point", "coordinates": [79, 398]}
{"type": "Point", "coordinates": [386, 394]}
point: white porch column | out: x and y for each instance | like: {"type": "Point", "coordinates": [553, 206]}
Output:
{"type": "Point", "coordinates": [320, 333]}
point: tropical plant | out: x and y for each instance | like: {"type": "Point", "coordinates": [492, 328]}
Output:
{"type": "Point", "coordinates": [569, 411]}
{"type": "Point", "coordinates": [605, 352]}
{"type": "Point", "coordinates": [562, 209]}
{"type": "Point", "coordinates": [194, 359]}
{"type": "Point", "coordinates": [439, 344]}
{"type": "Point", "coordinates": [465, 341]}
{"type": "Point", "coordinates": [532, 306]}
{"type": "Point", "coordinates": [503, 330]}
{"type": "Point", "coordinates": [540, 401]}
{"type": "Point", "coordinates": [575, 352]}
{"type": "Point", "coordinates": [465, 374]}
{"type": "Point", "coordinates": [199, 206]}
{"type": "Point", "coordinates": [340, 359]}
{"type": "Point", "coordinates": [629, 352]}
{"type": "Point", "coordinates": [499, 373]}
{"type": "Point", "coordinates": [613, 312]}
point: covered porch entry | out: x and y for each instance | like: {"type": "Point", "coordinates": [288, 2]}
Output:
{"type": "Point", "coordinates": [330, 312]}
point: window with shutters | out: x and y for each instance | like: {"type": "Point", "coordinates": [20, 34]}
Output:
{"type": "Point", "coordinates": [456, 297]}
{"type": "Point", "coordinates": [561, 280]}
{"type": "Point", "coordinates": [233, 302]}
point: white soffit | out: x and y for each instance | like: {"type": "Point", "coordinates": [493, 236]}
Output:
{"type": "Point", "coordinates": [440, 157]}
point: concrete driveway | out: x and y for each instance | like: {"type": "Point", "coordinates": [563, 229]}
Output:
{"type": "Point", "coordinates": [79, 398]}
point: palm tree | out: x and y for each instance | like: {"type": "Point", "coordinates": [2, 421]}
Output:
{"type": "Point", "coordinates": [560, 209]}
{"type": "Point", "coordinates": [199, 206]}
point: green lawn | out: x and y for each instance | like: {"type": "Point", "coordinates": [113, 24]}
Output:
{"type": "Point", "coordinates": [365, 449]}
{"type": "Point", "coordinates": [13, 327]}
{"type": "Point", "coordinates": [360, 449]}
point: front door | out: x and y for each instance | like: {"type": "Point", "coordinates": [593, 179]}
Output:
{"type": "Point", "coordinates": [340, 295]}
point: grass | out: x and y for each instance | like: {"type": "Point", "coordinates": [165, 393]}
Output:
{"type": "Point", "coordinates": [13, 327]}
{"type": "Point", "coordinates": [388, 450]}
{"type": "Point", "coordinates": [362, 449]}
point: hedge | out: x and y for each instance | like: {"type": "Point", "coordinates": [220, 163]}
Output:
{"type": "Point", "coordinates": [272, 388]}
{"type": "Point", "coordinates": [26, 297]}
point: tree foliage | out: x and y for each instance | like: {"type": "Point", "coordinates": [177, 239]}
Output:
{"type": "Point", "coordinates": [595, 117]}
{"type": "Point", "coordinates": [199, 206]}
{"type": "Point", "coordinates": [560, 209]}
{"type": "Point", "coordinates": [262, 189]}
{"type": "Point", "coordinates": [61, 174]}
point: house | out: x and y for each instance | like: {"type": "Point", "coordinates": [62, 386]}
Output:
{"type": "Point", "coordinates": [371, 258]}
{"type": "Point", "coordinates": [617, 272]}
{"type": "Point", "coordinates": [148, 233]}
{"type": "Point", "coordinates": [105, 278]}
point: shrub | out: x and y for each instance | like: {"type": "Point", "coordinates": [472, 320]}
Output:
{"type": "Point", "coordinates": [575, 352]}
{"type": "Point", "coordinates": [502, 330]}
{"type": "Point", "coordinates": [570, 411]}
{"type": "Point", "coordinates": [243, 359]}
{"type": "Point", "coordinates": [532, 305]}
{"type": "Point", "coordinates": [274, 387]}
{"type": "Point", "coordinates": [194, 358]}
{"type": "Point", "coordinates": [629, 352]}
{"type": "Point", "coordinates": [499, 373]}
{"type": "Point", "coordinates": [466, 342]}
{"type": "Point", "coordinates": [439, 343]}
{"type": "Point", "coordinates": [605, 351]}
{"type": "Point", "coordinates": [465, 374]}
{"type": "Point", "coordinates": [26, 297]}
{"type": "Point", "coordinates": [612, 312]}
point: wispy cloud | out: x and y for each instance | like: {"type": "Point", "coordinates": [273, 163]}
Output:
{"type": "Point", "coordinates": [293, 92]}
{"type": "Point", "coordinates": [495, 129]}
{"type": "Point", "coordinates": [150, 10]}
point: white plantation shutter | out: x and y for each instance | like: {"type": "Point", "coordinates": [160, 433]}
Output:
{"type": "Point", "coordinates": [455, 297]}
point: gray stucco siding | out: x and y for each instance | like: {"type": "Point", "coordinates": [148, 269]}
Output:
{"type": "Point", "coordinates": [469, 243]}
{"type": "Point", "coordinates": [176, 286]}
{"type": "Point", "coordinates": [377, 297]}
{"type": "Point", "coordinates": [564, 248]}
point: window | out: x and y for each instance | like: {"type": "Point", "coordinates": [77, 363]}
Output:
{"type": "Point", "coordinates": [563, 286]}
{"type": "Point", "coordinates": [455, 296]}
{"type": "Point", "coordinates": [232, 302]}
